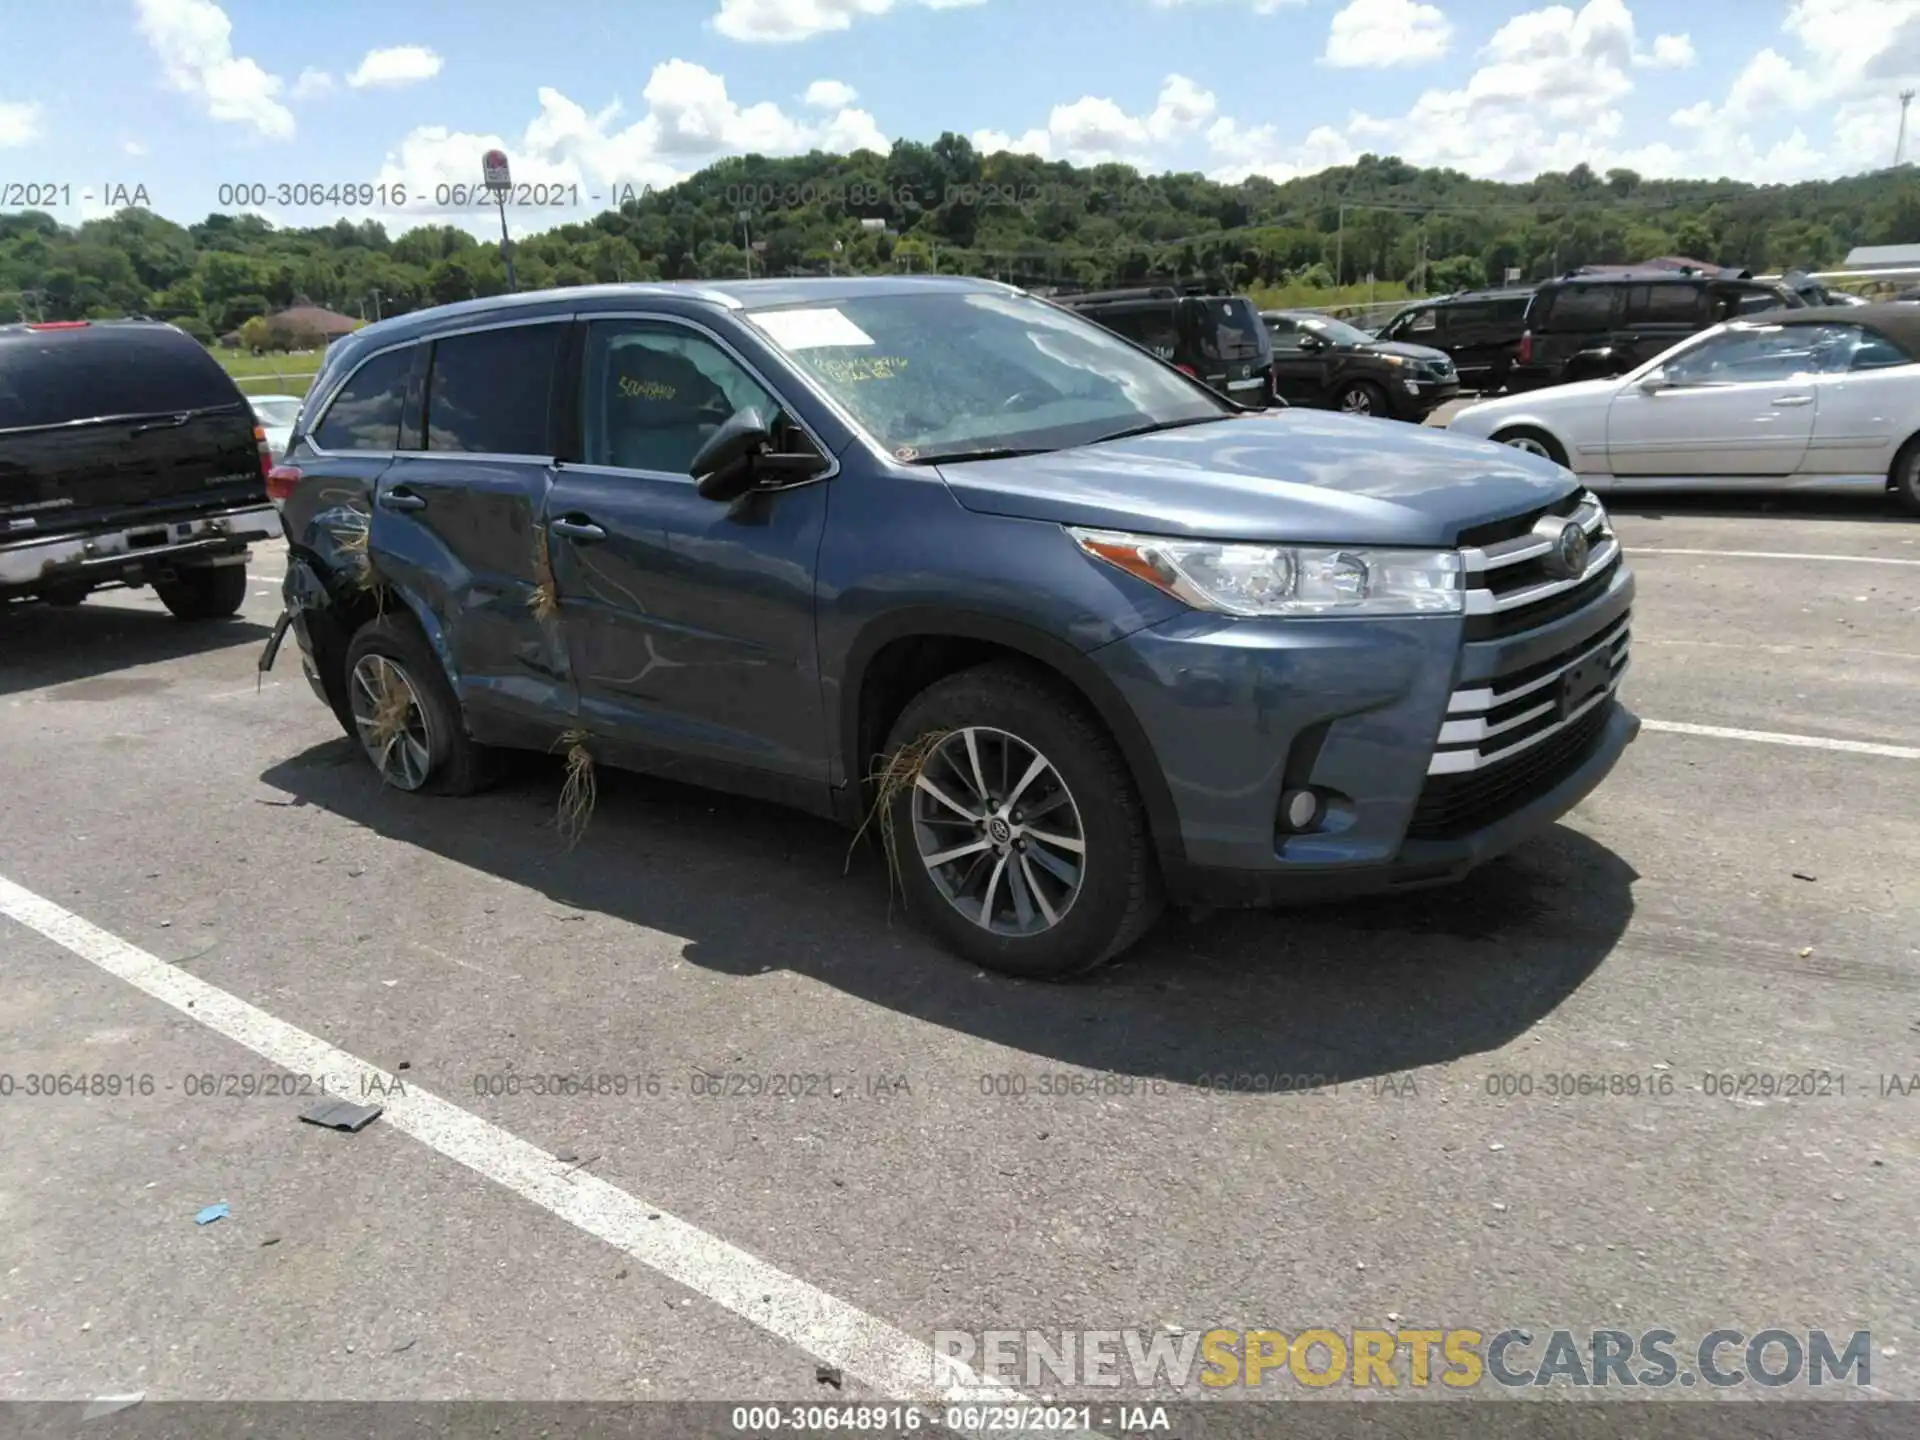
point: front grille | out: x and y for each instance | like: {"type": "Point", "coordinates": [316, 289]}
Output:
{"type": "Point", "coordinates": [1514, 582]}
{"type": "Point", "coordinates": [1492, 722]}
{"type": "Point", "coordinates": [1454, 805]}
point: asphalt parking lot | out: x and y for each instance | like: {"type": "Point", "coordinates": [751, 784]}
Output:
{"type": "Point", "coordinates": [1742, 898]}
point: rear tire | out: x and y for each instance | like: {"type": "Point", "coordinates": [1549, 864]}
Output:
{"type": "Point", "coordinates": [406, 717]}
{"type": "Point", "coordinates": [205, 592]}
{"type": "Point", "coordinates": [1906, 478]}
{"type": "Point", "coordinates": [1533, 442]}
{"type": "Point", "coordinates": [1361, 397]}
{"type": "Point", "coordinates": [66, 596]}
{"type": "Point", "coordinates": [1055, 907]}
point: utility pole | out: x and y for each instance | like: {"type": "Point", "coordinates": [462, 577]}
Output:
{"type": "Point", "coordinates": [1900, 145]}
{"type": "Point", "coordinates": [746, 235]}
{"type": "Point", "coordinates": [1340, 247]}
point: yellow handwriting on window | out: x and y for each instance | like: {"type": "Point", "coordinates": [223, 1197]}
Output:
{"type": "Point", "coordinates": [645, 389]}
{"type": "Point", "coordinates": [852, 370]}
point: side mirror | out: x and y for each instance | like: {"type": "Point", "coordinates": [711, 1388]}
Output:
{"type": "Point", "coordinates": [1654, 381]}
{"type": "Point", "coordinates": [724, 465]}
{"type": "Point", "coordinates": [1311, 341]}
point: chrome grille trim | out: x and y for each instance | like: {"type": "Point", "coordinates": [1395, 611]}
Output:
{"type": "Point", "coordinates": [1526, 547]}
{"type": "Point", "coordinates": [1486, 697]}
{"type": "Point", "coordinates": [1461, 749]}
{"type": "Point", "coordinates": [1486, 602]}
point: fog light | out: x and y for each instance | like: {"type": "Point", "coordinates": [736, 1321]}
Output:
{"type": "Point", "coordinates": [1413, 386]}
{"type": "Point", "coordinates": [1300, 809]}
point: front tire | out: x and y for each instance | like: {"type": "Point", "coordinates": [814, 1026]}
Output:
{"type": "Point", "coordinates": [1533, 442]}
{"type": "Point", "coordinates": [1016, 831]}
{"type": "Point", "coordinates": [205, 592]}
{"type": "Point", "coordinates": [406, 716]}
{"type": "Point", "coordinates": [1906, 478]}
{"type": "Point", "coordinates": [1361, 397]}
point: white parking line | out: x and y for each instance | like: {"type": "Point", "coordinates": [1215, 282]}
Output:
{"type": "Point", "coordinates": [1775, 737]}
{"type": "Point", "coordinates": [1633, 550]}
{"type": "Point", "coordinates": [871, 1351]}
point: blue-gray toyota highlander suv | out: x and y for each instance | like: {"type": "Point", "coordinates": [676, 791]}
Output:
{"type": "Point", "coordinates": [1083, 633]}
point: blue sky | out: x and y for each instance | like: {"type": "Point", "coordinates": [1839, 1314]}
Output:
{"type": "Point", "coordinates": [183, 96]}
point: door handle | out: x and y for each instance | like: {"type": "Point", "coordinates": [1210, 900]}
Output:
{"type": "Point", "coordinates": [576, 529]}
{"type": "Point", "coordinates": [401, 498]}
{"type": "Point", "coordinates": [1793, 399]}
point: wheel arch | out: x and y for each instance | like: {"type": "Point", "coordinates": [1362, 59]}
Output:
{"type": "Point", "coordinates": [899, 655]}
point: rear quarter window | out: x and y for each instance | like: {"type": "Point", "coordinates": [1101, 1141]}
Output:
{"type": "Point", "coordinates": [57, 377]}
{"type": "Point", "coordinates": [365, 415]}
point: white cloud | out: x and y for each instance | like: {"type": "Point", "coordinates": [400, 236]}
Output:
{"type": "Point", "coordinates": [395, 65]}
{"type": "Point", "coordinates": [1670, 52]}
{"type": "Point", "coordinates": [1374, 34]}
{"type": "Point", "coordinates": [133, 147]}
{"type": "Point", "coordinates": [785, 21]}
{"type": "Point", "coordinates": [1259, 7]}
{"type": "Point", "coordinates": [1033, 142]}
{"type": "Point", "coordinates": [194, 42]}
{"type": "Point", "coordinates": [312, 82]}
{"type": "Point", "coordinates": [829, 95]}
{"type": "Point", "coordinates": [19, 123]}
{"type": "Point", "coordinates": [690, 121]}
{"type": "Point", "coordinates": [1095, 130]}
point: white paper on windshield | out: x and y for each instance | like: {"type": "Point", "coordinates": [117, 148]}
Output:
{"type": "Point", "coordinates": [810, 329]}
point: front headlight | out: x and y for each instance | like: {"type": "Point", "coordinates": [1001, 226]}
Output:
{"type": "Point", "coordinates": [1395, 361]}
{"type": "Point", "coordinates": [1239, 579]}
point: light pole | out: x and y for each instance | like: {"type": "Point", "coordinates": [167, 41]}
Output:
{"type": "Point", "coordinates": [1900, 145]}
{"type": "Point", "coordinates": [499, 183]}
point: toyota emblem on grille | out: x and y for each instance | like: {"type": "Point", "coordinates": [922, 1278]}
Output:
{"type": "Point", "coordinates": [1568, 557]}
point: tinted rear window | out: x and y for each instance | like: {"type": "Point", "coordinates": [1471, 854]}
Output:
{"type": "Point", "coordinates": [1577, 307]}
{"type": "Point", "coordinates": [55, 377]}
{"type": "Point", "coordinates": [1229, 329]}
{"type": "Point", "coordinates": [487, 392]}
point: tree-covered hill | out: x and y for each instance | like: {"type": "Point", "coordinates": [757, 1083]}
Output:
{"type": "Point", "coordinates": [945, 206]}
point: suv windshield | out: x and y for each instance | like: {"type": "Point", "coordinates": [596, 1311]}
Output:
{"type": "Point", "coordinates": [949, 373]}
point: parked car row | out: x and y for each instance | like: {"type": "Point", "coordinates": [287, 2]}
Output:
{"type": "Point", "coordinates": [1821, 399]}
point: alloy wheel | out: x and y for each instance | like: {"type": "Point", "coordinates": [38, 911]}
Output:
{"type": "Point", "coordinates": [1357, 402]}
{"type": "Point", "coordinates": [1530, 445]}
{"type": "Point", "coordinates": [999, 832]}
{"type": "Point", "coordinates": [393, 725]}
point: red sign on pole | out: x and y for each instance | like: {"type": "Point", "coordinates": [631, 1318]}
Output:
{"type": "Point", "coordinates": [493, 170]}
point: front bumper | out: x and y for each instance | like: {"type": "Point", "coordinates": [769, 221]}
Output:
{"type": "Point", "coordinates": [1240, 712]}
{"type": "Point", "coordinates": [1418, 396]}
{"type": "Point", "coordinates": [133, 552]}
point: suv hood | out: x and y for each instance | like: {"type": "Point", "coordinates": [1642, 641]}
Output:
{"type": "Point", "coordinates": [1410, 352]}
{"type": "Point", "coordinates": [1299, 475]}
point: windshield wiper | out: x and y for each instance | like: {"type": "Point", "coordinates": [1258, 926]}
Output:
{"type": "Point", "coordinates": [1156, 426]}
{"type": "Point", "coordinates": [987, 452]}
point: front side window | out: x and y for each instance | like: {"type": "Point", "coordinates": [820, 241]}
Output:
{"type": "Point", "coordinates": [1666, 305]}
{"type": "Point", "coordinates": [958, 371]}
{"type": "Point", "coordinates": [1424, 322]}
{"type": "Point", "coordinates": [487, 391]}
{"type": "Point", "coordinates": [365, 414]}
{"type": "Point", "coordinates": [1764, 354]}
{"type": "Point", "coordinates": [1579, 307]}
{"type": "Point", "coordinates": [1285, 333]}
{"type": "Point", "coordinates": [1335, 332]}
{"type": "Point", "coordinates": [652, 394]}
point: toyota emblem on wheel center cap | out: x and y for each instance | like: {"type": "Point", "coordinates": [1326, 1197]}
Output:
{"type": "Point", "coordinates": [999, 830]}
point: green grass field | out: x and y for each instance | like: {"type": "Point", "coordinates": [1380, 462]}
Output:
{"type": "Point", "coordinates": [270, 374]}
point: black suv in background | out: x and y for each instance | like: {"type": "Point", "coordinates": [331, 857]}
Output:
{"type": "Point", "coordinates": [1480, 329]}
{"type": "Point", "coordinates": [1586, 326]}
{"type": "Point", "coordinates": [1321, 361]}
{"type": "Point", "coordinates": [129, 457]}
{"type": "Point", "coordinates": [1217, 339]}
